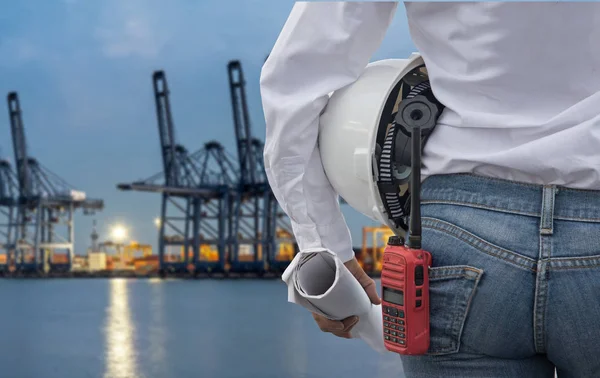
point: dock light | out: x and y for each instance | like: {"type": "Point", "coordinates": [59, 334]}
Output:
{"type": "Point", "coordinates": [119, 233]}
{"type": "Point", "coordinates": [157, 222]}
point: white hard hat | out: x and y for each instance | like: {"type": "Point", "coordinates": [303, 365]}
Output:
{"type": "Point", "coordinates": [353, 129]}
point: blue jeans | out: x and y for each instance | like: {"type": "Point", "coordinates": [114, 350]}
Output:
{"type": "Point", "coordinates": [515, 280]}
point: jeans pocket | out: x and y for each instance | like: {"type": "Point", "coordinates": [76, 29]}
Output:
{"type": "Point", "coordinates": [451, 289]}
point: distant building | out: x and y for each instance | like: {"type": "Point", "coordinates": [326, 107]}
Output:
{"type": "Point", "coordinates": [96, 261]}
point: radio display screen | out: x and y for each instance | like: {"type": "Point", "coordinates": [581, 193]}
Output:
{"type": "Point", "coordinates": [393, 296]}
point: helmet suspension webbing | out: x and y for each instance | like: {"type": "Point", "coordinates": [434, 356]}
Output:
{"type": "Point", "coordinates": [418, 108]}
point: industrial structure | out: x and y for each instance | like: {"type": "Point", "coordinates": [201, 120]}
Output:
{"type": "Point", "coordinates": [212, 201]}
{"type": "Point", "coordinates": [8, 210]}
{"type": "Point", "coordinates": [218, 213]}
{"type": "Point", "coordinates": [196, 191]}
{"type": "Point", "coordinates": [42, 226]}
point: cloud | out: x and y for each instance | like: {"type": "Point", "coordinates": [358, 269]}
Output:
{"type": "Point", "coordinates": [128, 29]}
{"type": "Point", "coordinates": [19, 49]}
{"type": "Point", "coordinates": [133, 37]}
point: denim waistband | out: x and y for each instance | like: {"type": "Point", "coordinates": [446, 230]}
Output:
{"type": "Point", "coordinates": [509, 196]}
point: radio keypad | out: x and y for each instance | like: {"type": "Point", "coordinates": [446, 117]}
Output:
{"type": "Point", "coordinates": [394, 325]}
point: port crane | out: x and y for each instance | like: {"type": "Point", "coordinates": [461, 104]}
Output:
{"type": "Point", "coordinates": [211, 198]}
{"type": "Point", "coordinates": [197, 191]}
{"type": "Point", "coordinates": [256, 214]}
{"type": "Point", "coordinates": [45, 205]}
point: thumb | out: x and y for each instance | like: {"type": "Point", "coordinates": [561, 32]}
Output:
{"type": "Point", "coordinates": [371, 290]}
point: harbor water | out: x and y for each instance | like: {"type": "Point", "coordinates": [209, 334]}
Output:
{"type": "Point", "coordinates": [147, 328]}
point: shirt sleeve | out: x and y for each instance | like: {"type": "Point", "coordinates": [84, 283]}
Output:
{"type": "Point", "coordinates": [323, 47]}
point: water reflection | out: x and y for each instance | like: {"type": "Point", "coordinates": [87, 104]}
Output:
{"type": "Point", "coordinates": [157, 329]}
{"type": "Point", "coordinates": [119, 331]}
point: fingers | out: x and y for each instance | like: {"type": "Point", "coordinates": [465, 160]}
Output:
{"type": "Point", "coordinates": [348, 324]}
{"type": "Point", "coordinates": [338, 328]}
{"type": "Point", "coordinates": [371, 290]}
{"type": "Point", "coordinates": [328, 325]}
{"type": "Point", "coordinates": [365, 281]}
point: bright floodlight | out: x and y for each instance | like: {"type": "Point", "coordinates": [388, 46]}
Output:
{"type": "Point", "coordinates": [119, 233]}
{"type": "Point", "coordinates": [157, 222]}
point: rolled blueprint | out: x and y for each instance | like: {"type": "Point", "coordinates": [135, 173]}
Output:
{"type": "Point", "coordinates": [320, 282]}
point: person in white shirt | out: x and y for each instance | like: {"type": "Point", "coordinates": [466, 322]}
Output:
{"type": "Point", "coordinates": [511, 174]}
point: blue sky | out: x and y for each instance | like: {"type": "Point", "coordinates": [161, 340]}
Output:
{"type": "Point", "coordinates": [83, 68]}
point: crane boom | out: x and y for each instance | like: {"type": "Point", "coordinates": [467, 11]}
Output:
{"type": "Point", "coordinates": [19, 144]}
{"type": "Point", "coordinates": [166, 129]}
{"type": "Point", "coordinates": [241, 120]}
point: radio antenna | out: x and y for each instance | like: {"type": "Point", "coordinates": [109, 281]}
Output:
{"type": "Point", "coordinates": [414, 238]}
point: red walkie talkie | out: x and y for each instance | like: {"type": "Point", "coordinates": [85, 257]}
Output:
{"type": "Point", "coordinates": [405, 278]}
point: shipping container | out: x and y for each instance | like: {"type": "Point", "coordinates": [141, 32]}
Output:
{"type": "Point", "coordinates": [60, 258]}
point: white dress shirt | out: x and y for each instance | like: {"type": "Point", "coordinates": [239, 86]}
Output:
{"type": "Point", "coordinates": [520, 84]}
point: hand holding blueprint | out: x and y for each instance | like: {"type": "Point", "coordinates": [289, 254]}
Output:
{"type": "Point", "coordinates": [320, 282]}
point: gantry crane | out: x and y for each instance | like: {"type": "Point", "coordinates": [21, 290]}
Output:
{"type": "Point", "coordinates": [213, 227]}
{"type": "Point", "coordinates": [45, 203]}
{"type": "Point", "coordinates": [197, 191]}
{"type": "Point", "coordinates": [256, 214]}
{"type": "Point", "coordinates": [8, 194]}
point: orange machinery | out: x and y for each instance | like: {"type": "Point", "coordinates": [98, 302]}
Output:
{"type": "Point", "coordinates": [146, 264]}
{"type": "Point", "coordinates": [371, 257]}
{"type": "Point", "coordinates": [124, 255]}
{"type": "Point", "coordinates": [207, 253]}
{"type": "Point", "coordinates": [59, 258]}
{"type": "Point", "coordinates": [130, 249]}
{"type": "Point", "coordinates": [286, 249]}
